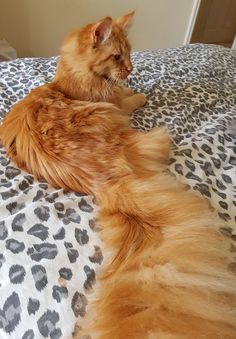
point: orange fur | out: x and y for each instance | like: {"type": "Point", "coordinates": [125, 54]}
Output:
{"type": "Point", "coordinates": [166, 275]}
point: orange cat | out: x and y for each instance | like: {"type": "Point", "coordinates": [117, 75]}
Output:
{"type": "Point", "coordinates": [167, 273]}
{"type": "Point", "coordinates": [45, 132]}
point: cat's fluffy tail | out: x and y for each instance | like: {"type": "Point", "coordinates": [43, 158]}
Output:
{"type": "Point", "coordinates": [167, 269]}
{"type": "Point", "coordinates": [169, 276]}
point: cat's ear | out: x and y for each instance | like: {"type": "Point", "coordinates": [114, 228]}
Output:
{"type": "Point", "coordinates": [125, 21]}
{"type": "Point", "coordinates": [101, 31]}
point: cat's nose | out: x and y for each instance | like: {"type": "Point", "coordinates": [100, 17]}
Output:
{"type": "Point", "coordinates": [129, 67]}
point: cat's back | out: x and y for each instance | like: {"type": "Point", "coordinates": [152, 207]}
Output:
{"type": "Point", "coordinates": [42, 107]}
{"type": "Point", "coordinates": [47, 130]}
{"type": "Point", "coordinates": [20, 119]}
{"type": "Point", "coordinates": [27, 107]}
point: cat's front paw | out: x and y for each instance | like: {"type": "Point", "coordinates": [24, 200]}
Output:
{"type": "Point", "coordinates": [140, 99]}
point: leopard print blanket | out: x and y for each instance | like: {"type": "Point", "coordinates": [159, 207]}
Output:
{"type": "Point", "coordinates": [49, 245]}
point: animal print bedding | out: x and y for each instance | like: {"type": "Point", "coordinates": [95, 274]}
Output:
{"type": "Point", "coordinates": [49, 244]}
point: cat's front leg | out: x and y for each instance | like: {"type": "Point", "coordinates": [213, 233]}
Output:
{"type": "Point", "coordinates": [127, 91]}
{"type": "Point", "coordinates": [122, 92]}
{"type": "Point", "coordinates": [131, 103]}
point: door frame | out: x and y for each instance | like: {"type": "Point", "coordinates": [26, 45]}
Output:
{"type": "Point", "coordinates": [192, 20]}
{"type": "Point", "coordinates": [234, 43]}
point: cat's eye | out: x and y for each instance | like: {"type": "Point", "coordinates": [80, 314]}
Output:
{"type": "Point", "coordinates": [116, 57]}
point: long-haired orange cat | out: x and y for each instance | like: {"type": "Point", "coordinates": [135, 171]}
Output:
{"type": "Point", "coordinates": [167, 273]}
{"type": "Point", "coordinates": [45, 132]}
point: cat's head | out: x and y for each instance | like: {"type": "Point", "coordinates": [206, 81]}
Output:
{"type": "Point", "coordinates": [101, 48]}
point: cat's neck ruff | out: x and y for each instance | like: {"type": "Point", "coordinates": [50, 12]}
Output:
{"type": "Point", "coordinates": [87, 86]}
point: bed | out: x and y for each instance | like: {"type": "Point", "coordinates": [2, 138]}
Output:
{"type": "Point", "coordinates": [49, 241]}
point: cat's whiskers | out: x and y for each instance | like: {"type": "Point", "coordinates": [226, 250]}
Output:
{"type": "Point", "coordinates": [110, 82]}
{"type": "Point", "coordinates": [117, 76]}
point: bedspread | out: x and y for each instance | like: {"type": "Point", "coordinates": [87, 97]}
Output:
{"type": "Point", "coordinates": [49, 242]}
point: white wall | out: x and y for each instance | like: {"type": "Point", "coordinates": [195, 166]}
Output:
{"type": "Point", "coordinates": [37, 27]}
